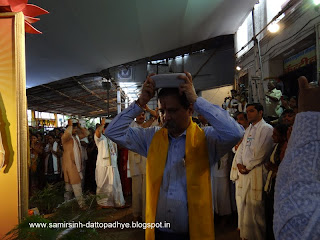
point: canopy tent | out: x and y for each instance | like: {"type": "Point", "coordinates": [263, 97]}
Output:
{"type": "Point", "coordinates": [89, 37]}
{"type": "Point", "coordinates": [75, 97]}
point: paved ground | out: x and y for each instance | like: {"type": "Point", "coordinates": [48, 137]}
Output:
{"type": "Point", "coordinates": [225, 229]}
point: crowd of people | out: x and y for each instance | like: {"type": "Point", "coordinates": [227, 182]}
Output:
{"type": "Point", "coordinates": [87, 161]}
{"type": "Point", "coordinates": [276, 102]}
{"type": "Point", "coordinates": [46, 158]}
{"type": "Point", "coordinates": [256, 158]}
{"type": "Point", "coordinates": [185, 169]}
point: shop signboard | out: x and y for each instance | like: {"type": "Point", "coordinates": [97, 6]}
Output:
{"type": "Point", "coordinates": [300, 59]}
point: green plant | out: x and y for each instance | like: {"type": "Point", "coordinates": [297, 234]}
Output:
{"type": "Point", "coordinates": [25, 231]}
{"type": "Point", "coordinates": [48, 198]}
{"type": "Point", "coordinates": [70, 212]}
{"type": "Point", "coordinates": [67, 212]}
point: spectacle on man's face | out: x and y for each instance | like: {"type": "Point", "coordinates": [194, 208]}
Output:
{"type": "Point", "coordinates": [175, 117]}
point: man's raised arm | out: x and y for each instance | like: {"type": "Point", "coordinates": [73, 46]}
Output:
{"type": "Point", "coordinates": [135, 139]}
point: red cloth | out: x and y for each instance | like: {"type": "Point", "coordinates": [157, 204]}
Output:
{"type": "Point", "coordinates": [122, 166]}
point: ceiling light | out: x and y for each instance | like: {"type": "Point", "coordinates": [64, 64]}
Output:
{"type": "Point", "coordinates": [274, 27]}
{"type": "Point", "coordinates": [238, 68]}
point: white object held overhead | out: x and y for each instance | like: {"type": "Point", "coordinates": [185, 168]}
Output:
{"type": "Point", "coordinates": [171, 80]}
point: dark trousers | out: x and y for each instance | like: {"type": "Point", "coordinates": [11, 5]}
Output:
{"type": "Point", "coordinates": [161, 235]}
{"type": "Point", "coordinates": [270, 211]}
{"type": "Point", "coordinates": [52, 178]}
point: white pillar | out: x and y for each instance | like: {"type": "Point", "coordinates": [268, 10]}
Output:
{"type": "Point", "coordinates": [126, 103]}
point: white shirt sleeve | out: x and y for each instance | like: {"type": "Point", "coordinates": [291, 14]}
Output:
{"type": "Point", "coordinates": [238, 156]}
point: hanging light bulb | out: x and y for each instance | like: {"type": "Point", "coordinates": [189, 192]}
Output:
{"type": "Point", "coordinates": [238, 68]}
{"type": "Point", "coordinates": [274, 27]}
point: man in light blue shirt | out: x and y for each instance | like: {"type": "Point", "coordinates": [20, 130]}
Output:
{"type": "Point", "coordinates": [176, 106]}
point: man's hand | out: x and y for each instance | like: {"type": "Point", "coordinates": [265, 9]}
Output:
{"type": "Point", "coordinates": [69, 122]}
{"type": "Point", "coordinates": [238, 144]}
{"type": "Point", "coordinates": [100, 128]}
{"type": "Point", "coordinates": [148, 90]}
{"type": "Point", "coordinates": [103, 122]}
{"type": "Point", "coordinates": [188, 87]}
{"type": "Point", "coordinates": [308, 97]}
{"type": "Point", "coordinates": [154, 113]}
{"type": "Point", "coordinates": [242, 169]}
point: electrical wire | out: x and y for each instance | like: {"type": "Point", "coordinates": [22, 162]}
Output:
{"type": "Point", "coordinates": [287, 7]}
{"type": "Point", "coordinates": [271, 55]}
{"type": "Point", "coordinates": [296, 35]}
{"type": "Point", "coordinates": [280, 47]}
{"type": "Point", "coordinates": [298, 32]}
{"type": "Point", "coordinates": [244, 66]}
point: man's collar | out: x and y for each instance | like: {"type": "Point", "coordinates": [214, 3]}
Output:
{"type": "Point", "coordinates": [184, 133]}
{"type": "Point", "coordinates": [258, 123]}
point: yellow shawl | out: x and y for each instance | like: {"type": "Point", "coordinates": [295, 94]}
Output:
{"type": "Point", "coordinates": [201, 224]}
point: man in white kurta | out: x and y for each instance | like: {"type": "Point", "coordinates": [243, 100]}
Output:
{"type": "Point", "coordinates": [252, 153]}
{"type": "Point", "coordinates": [137, 171]}
{"type": "Point", "coordinates": [109, 188]}
{"type": "Point", "coordinates": [273, 102]}
{"type": "Point", "coordinates": [137, 168]}
{"type": "Point", "coordinates": [221, 186]}
{"type": "Point", "coordinates": [235, 175]}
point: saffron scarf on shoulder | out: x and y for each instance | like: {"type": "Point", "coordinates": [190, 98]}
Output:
{"type": "Point", "coordinates": [200, 212]}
